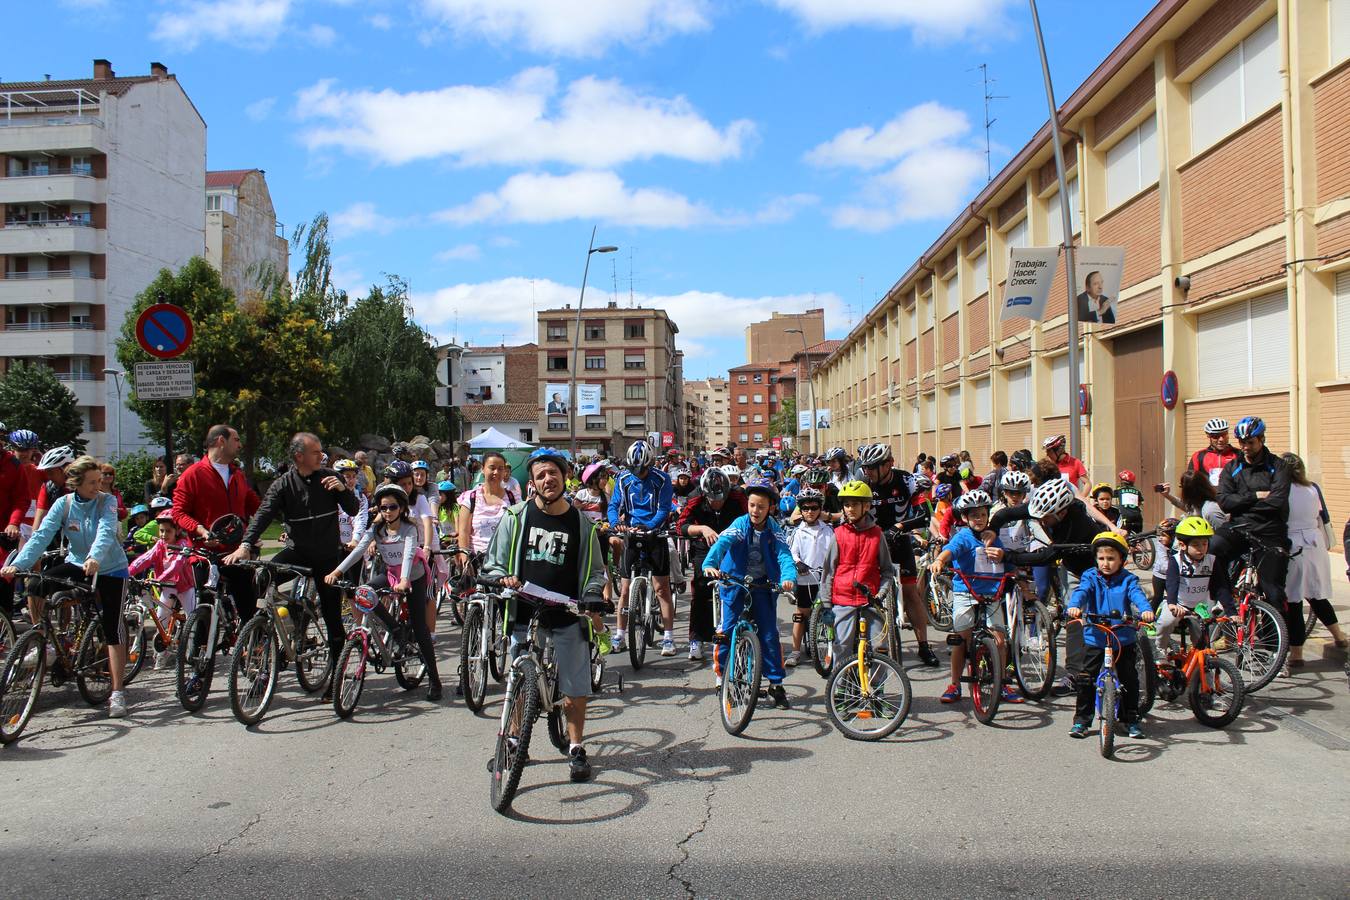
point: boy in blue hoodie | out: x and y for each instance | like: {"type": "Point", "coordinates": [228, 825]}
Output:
{"type": "Point", "coordinates": [1109, 590]}
{"type": "Point", "coordinates": [754, 545]}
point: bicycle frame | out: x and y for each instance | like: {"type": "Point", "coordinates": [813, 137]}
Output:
{"type": "Point", "coordinates": [1194, 656]}
{"type": "Point", "coordinates": [541, 652]}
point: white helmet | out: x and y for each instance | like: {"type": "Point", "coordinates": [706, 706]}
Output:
{"type": "Point", "coordinates": [1050, 498]}
{"type": "Point", "coordinates": [639, 456]}
{"type": "Point", "coordinates": [731, 470]}
{"type": "Point", "coordinates": [874, 454]}
{"type": "Point", "coordinates": [1015, 481]}
{"type": "Point", "coordinates": [57, 457]}
{"type": "Point", "coordinates": [1216, 426]}
{"type": "Point", "coordinates": [973, 500]}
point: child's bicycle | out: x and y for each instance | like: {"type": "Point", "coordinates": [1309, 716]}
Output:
{"type": "Point", "coordinates": [1211, 683]}
{"type": "Point", "coordinates": [984, 664]}
{"type": "Point", "coordinates": [745, 661]}
{"type": "Point", "coordinates": [820, 639]}
{"type": "Point", "coordinates": [869, 696]}
{"type": "Point", "coordinates": [371, 644]}
{"type": "Point", "coordinates": [937, 591]}
{"type": "Point", "coordinates": [142, 610]}
{"type": "Point", "coordinates": [1108, 682]}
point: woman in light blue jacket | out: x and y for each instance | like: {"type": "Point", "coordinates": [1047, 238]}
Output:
{"type": "Point", "coordinates": [87, 518]}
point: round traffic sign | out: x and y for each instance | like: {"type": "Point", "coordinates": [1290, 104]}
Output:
{"type": "Point", "coordinates": [1170, 391]}
{"type": "Point", "coordinates": [164, 330]}
{"type": "Point", "coordinates": [1084, 400]}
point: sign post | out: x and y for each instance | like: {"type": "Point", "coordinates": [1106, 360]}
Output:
{"type": "Point", "coordinates": [165, 332]}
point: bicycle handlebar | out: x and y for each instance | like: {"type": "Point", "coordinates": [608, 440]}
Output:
{"type": "Point", "coordinates": [303, 571]}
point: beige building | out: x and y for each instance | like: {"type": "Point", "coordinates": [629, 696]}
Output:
{"type": "Point", "coordinates": [244, 241]}
{"type": "Point", "coordinates": [775, 339]}
{"type": "Point", "coordinates": [714, 397]}
{"type": "Point", "coordinates": [1211, 145]}
{"type": "Point", "coordinates": [630, 353]}
{"type": "Point", "coordinates": [695, 421]}
{"type": "Point", "coordinates": [101, 184]}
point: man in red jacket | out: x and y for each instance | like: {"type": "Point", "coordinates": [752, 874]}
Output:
{"type": "Point", "coordinates": [213, 487]}
{"type": "Point", "coordinates": [14, 501]}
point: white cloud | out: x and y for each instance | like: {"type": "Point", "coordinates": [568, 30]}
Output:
{"type": "Point", "coordinates": [321, 35]}
{"type": "Point", "coordinates": [360, 218]}
{"type": "Point", "coordinates": [467, 252]}
{"type": "Point", "coordinates": [867, 148]}
{"type": "Point", "coordinates": [503, 240]}
{"type": "Point", "coordinates": [245, 22]}
{"type": "Point", "coordinates": [380, 22]}
{"type": "Point", "coordinates": [259, 110]}
{"type": "Point", "coordinates": [929, 183]}
{"type": "Point", "coordinates": [592, 123]}
{"type": "Point", "coordinates": [568, 27]}
{"type": "Point", "coordinates": [947, 20]}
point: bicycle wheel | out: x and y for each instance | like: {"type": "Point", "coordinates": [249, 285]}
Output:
{"type": "Point", "coordinates": [937, 595]}
{"type": "Point", "coordinates": [597, 667]}
{"type": "Point", "coordinates": [513, 737]}
{"type": "Point", "coordinates": [136, 643]}
{"type": "Point", "coordinates": [893, 645]}
{"type": "Point", "coordinates": [1310, 622]}
{"type": "Point", "coordinates": [986, 687]}
{"type": "Point", "coordinates": [498, 646]}
{"type": "Point", "coordinates": [313, 664]}
{"type": "Point", "coordinates": [1106, 712]}
{"type": "Point", "coordinates": [196, 661]}
{"type": "Point", "coordinates": [557, 729]}
{"type": "Point", "coordinates": [1260, 645]}
{"type": "Point", "coordinates": [409, 670]}
{"type": "Point", "coordinates": [872, 714]}
{"type": "Point", "coordinates": [21, 684]}
{"type": "Point", "coordinates": [1142, 555]}
{"type": "Point", "coordinates": [1147, 669]}
{"type": "Point", "coordinates": [1033, 648]}
{"type": "Point", "coordinates": [93, 675]}
{"type": "Point", "coordinates": [350, 676]}
{"type": "Point", "coordinates": [1222, 702]}
{"type": "Point", "coordinates": [637, 622]}
{"type": "Point", "coordinates": [253, 670]}
{"type": "Point", "coordinates": [473, 662]}
{"type": "Point", "coordinates": [7, 637]}
{"type": "Point", "coordinates": [822, 642]}
{"type": "Point", "coordinates": [740, 682]}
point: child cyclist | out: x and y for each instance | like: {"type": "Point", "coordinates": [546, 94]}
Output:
{"type": "Point", "coordinates": [1129, 501]}
{"type": "Point", "coordinates": [1189, 580]}
{"type": "Point", "coordinates": [754, 546]}
{"type": "Point", "coordinates": [1104, 499]}
{"type": "Point", "coordinates": [859, 553]}
{"type": "Point", "coordinates": [1109, 590]}
{"type": "Point", "coordinates": [1163, 543]}
{"type": "Point", "coordinates": [969, 554]}
{"type": "Point", "coordinates": [171, 567]}
{"type": "Point", "coordinates": [810, 546]}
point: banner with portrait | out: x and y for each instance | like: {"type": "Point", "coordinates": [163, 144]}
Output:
{"type": "Point", "coordinates": [557, 399]}
{"type": "Point", "coordinates": [1099, 271]}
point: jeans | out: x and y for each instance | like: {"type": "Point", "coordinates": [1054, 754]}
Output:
{"type": "Point", "coordinates": [766, 623]}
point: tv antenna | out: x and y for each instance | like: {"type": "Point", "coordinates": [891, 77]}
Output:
{"type": "Point", "coordinates": [988, 122]}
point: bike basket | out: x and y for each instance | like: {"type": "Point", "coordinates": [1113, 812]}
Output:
{"type": "Point", "coordinates": [365, 599]}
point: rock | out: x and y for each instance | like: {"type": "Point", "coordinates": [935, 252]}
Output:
{"type": "Point", "coordinates": [420, 439]}
{"type": "Point", "coordinates": [336, 453]}
{"type": "Point", "coordinates": [420, 450]}
{"type": "Point", "coordinates": [373, 442]}
{"type": "Point", "coordinates": [442, 449]}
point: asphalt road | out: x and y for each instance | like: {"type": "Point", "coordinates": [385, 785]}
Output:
{"type": "Point", "coordinates": [395, 802]}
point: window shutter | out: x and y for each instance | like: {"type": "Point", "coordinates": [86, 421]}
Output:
{"type": "Point", "coordinates": [1222, 349]}
{"type": "Point", "coordinates": [1122, 170]}
{"type": "Point", "coordinates": [1059, 385]}
{"type": "Point", "coordinates": [982, 401]}
{"type": "Point", "coordinates": [1216, 101]}
{"type": "Point", "coordinates": [1343, 316]}
{"type": "Point", "coordinates": [1261, 70]}
{"type": "Point", "coordinates": [1269, 351]}
{"type": "Point", "coordinates": [1019, 393]}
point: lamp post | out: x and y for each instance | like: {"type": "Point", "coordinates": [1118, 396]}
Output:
{"type": "Point", "coordinates": [117, 375]}
{"type": "Point", "coordinates": [576, 342]}
{"type": "Point", "coordinates": [811, 387]}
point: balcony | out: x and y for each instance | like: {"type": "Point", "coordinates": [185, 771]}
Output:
{"type": "Point", "coordinates": [59, 186]}
{"type": "Point", "coordinates": [48, 288]}
{"type": "Point", "coordinates": [74, 236]}
{"type": "Point", "coordinates": [35, 134]}
{"type": "Point", "coordinates": [87, 388]}
{"type": "Point", "coordinates": [52, 339]}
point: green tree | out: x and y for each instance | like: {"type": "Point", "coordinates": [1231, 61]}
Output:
{"type": "Point", "coordinates": [314, 278]}
{"type": "Point", "coordinates": [32, 397]}
{"type": "Point", "coordinates": [784, 422]}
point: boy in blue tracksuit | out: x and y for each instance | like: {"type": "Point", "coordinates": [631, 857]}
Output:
{"type": "Point", "coordinates": [1109, 590]}
{"type": "Point", "coordinates": [754, 545]}
{"type": "Point", "coordinates": [644, 497]}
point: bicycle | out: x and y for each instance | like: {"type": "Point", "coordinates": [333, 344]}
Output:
{"type": "Point", "coordinates": [270, 638]}
{"type": "Point", "coordinates": [397, 649]}
{"type": "Point", "coordinates": [1141, 548]}
{"type": "Point", "coordinates": [1032, 642]}
{"type": "Point", "coordinates": [483, 646]}
{"type": "Point", "coordinates": [856, 694]}
{"type": "Point", "coordinates": [531, 691]}
{"type": "Point", "coordinates": [936, 591]}
{"type": "Point", "coordinates": [454, 589]}
{"type": "Point", "coordinates": [144, 608]}
{"type": "Point", "coordinates": [1108, 682]}
{"type": "Point", "coordinates": [645, 622]}
{"type": "Point", "coordinates": [984, 663]}
{"type": "Point", "coordinates": [80, 651]}
{"type": "Point", "coordinates": [820, 639]}
{"type": "Point", "coordinates": [1210, 682]}
{"type": "Point", "coordinates": [211, 629]}
{"type": "Point", "coordinates": [745, 660]}
{"type": "Point", "coordinates": [1257, 635]}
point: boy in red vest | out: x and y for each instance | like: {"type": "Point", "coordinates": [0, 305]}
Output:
{"type": "Point", "coordinates": [858, 554]}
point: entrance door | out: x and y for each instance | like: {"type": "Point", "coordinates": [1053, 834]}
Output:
{"type": "Point", "coordinates": [1139, 414]}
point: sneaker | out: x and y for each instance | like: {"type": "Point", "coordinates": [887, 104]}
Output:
{"type": "Point", "coordinates": [434, 694]}
{"type": "Point", "coordinates": [117, 705]}
{"type": "Point", "coordinates": [718, 680]}
{"type": "Point", "coordinates": [1010, 695]}
{"type": "Point", "coordinates": [1079, 730]}
{"type": "Point", "coordinates": [1064, 686]}
{"type": "Point", "coordinates": [1133, 730]}
{"type": "Point", "coordinates": [792, 659]}
{"type": "Point", "coordinates": [619, 644]}
{"type": "Point", "coordinates": [927, 656]}
{"type": "Point", "coordinates": [578, 765]}
{"type": "Point", "coordinates": [951, 694]}
{"type": "Point", "coordinates": [695, 650]}
{"type": "Point", "coordinates": [779, 697]}
{"type": "Point", "coordinates": [604, 643]}
{"type": "Point", "coordinates": [163, 660]}
{"type": "Point", "coordinates": [667, 647]}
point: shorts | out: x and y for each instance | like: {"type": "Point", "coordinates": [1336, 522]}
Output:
{"type": "Point", "coordinates": [963, 613]}
{"type": "Point", "coordinates": [806, 595]}
{"type": "Point", "coordinates": [658, 554]}
{"type": "Point", "coordinates": [572, 652]}
{"type": "Point", "coordinates": [902, 556]}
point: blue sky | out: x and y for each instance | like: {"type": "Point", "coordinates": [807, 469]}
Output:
{"type": "Point", "coordinates": [746, 156]}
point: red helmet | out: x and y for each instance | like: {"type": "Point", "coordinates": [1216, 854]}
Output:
{"type": "Point", "coordinates": [1125, 476]}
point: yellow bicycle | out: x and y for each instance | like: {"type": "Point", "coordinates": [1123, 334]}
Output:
{"type": "Point", "coordinates": [869, 696]}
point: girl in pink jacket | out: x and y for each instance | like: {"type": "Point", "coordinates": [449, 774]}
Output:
{"type": "Point", "coordinates": [170, 567]}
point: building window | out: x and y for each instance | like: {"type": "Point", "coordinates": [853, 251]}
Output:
{"type": "Point", "coordinates": [1018, 235]}
{"type": "Point", "coordinates": [634, 422]}
{"type": "Point", "coordinates": [595, 331]}
{"type": "Point", "coordinates": [742, 419]}
{"type": "Point", "coordinates": [926, 410]}
{"type": "Point", "coordinates": [557, 331]}
{"type": "Point", "coordinates": [951, 407]}
{"type": "Point", "coordinates": [1019, 393]}
{"type": "Point", "coordinates": [1059, 385]}
{"type": "Point", "coordinates": [595, 360]}
{"type": "Point", "coordinates": [741, 379]}
{"type": "Point", "coordinates": [1055, 219]}
{"type": "Point", "coordinates": [213, 203]}
{"type": "Point", "coordinates": [759, 418]}
{"type": "Point", "coordinates": [557, 424]}
{"type": "Point", "coordinates": [557, 363]}
{"type": "Point", "coordinates": [527, 435]}
{"type": "Point", "coordinates": [759, 435]}
{"type": "Point", "coordinates": [635, 392]}
{"type": "Point", "coordinates": [982, 405]}
{"type": "Point", "coordinates": [759, 398]}
{"type": "Point", "coordinates": [1132, 164]}
{"type": "Point", "coordinates": [1244, 346]}
{"type": "Point", "coordinates": [1244, 83]}
{"type": "Point", "coordinates": [744, 437]}
{"type": "Point", "coordinates": [634, 361]}
{"type": "Point", "coordinates": [1343, 324]}
{"type": "Point", "coordinates": [595, 423]}
{"type": "Point", "coordinates": [633, 330]}
{"type": "Point", "coordinates": [742, 398]}
{"type": "Point", "coordinates": [1339, 29]}
{"type": "Point", "coordinates": [759, 378]}
{"type": "Point", "coordinates": [979, 274]}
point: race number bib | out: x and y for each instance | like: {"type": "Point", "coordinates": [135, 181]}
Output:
{"type": "Point", "coordinates": [1130, 501]}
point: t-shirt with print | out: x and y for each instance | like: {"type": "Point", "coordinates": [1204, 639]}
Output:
{"type": "Point", "coordinates": [551, 554]}
{"type": "Point", "coordinates": [970, 557]}
{"type": "Point", "coordinates": [754, 564]}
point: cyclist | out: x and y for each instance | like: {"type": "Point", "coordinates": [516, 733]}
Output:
{"type": "Point", "coordinates": [708, 513]}
{"type": "Point", "coordinates": [447, 501]}
{"type": "Point", "coordinates": [1015, 535]}
{"type": "Point", "coordinates": [481, 508]}
{"type": "Point", "coordinates": [307, 498]}
{"type": "Point", "coordinates": [892, 491]}
{"type": "Point", "coordinates": [1190, 577]}
{"type": "Point", "coordinates": [951, 475]}
{"type": "Point", "coordinates": [1021, 461]}
{"type": "Point", "coordinates": [643, 499]}
{"type": "Point", "coordinates": [1071, 468]}
{"type": "Point", "coordinates": [754, 546]}
{"type": "Point", "coordinates": [837, 462]}
{"type": "Point", "coordinates": [548, 542]}
{"type": "Point", "coordinates": [26, 451]}
{"type": "Point", "coordinates": [53, 467]}
{"type": "Point", "coordinates": [1129, 501]}
{"type": "Point", "coordinates": [1104, 498]}
{"type": "Point", "coordinates": [16, 501]}
{"type": "Point", "coordinates": [1254, 492]}
{"type": "Point", "coordinates": [170, 567]}
{"type": "Point", "coordinates": [857, 552]}
{"type": "Point", "coordinates": [1211, 460]}
{"type": "Point", "coordinates": [1163, 543]}
{"type": "Point", "coordinates": [810, 545]}
{"type": "Point", "coordinates": [1109, 590]}
{"type": "Point", "coordinates": [87, 519]}
{"type": "Point", "coordinates": [137, 516]}
{"type": "Point", "coordinates": [351, 527]}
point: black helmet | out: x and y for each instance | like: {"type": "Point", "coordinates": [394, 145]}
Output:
{"type": "Point", "coordinates": [228, 530]}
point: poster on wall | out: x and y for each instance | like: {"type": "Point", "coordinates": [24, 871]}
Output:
{"type": "Point", "coordinates": [1030, 271]}
{"type": "Point", "coordinates": [822, 418]}
{"type": "Point", "coordinates": [804, 417]}
{"type": "Point", "coordinates": [556, 399]}
{"type": "Point", "coordinates": [588, 399]}
{"type": "Point", "coordinates": [667, 439]}
{"type": "Point", "coordinates": [1099, 271]}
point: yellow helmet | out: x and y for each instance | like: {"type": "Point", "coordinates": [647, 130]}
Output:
{"type": "Point", "coordinates": [1097, 489]}
{"type": "Point", "coordinates": [1194, 527]}
{"type": "Point", "coordinates": [1111, 539]}
{"type": "Point", "coordinates": [855, 490]}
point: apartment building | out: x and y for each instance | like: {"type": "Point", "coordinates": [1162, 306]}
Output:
{"type": "Point", "coordinates": [695, 421]}
{"type": "Point", "coordinates": [496, 389]}
{"type": "Point", "coordinates": [1211, 145]}
{"type": "Point", "coordinates": [714, 396]}
{"type": "Point", "coordinates": [244, 241]}
{"type": "Point", "coordinates": [101, 186]}
{"type": "Point", "coordinates": [753, 398]}
{"type": "Point", "coordinates": [779, 336]}
{"type": "Point", "coordinates": [630, 353]}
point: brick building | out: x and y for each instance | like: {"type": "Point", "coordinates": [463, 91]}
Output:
{"type": "Point", "coordinates": [714, 396]}
{"type": "Point", "coordinates": [243, 238]}
{"type": "Point", "coordinates": [753, 397]}
{"type": "Point", "coordinates": [1210, 144]}
{"type": "Point", "coordinates": [496, 390]}
{"type": "Point", "coordinates": [773, 339]}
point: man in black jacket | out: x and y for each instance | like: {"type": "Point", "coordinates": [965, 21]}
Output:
{"type": "Point", "coordinates": [1254, 491]}
{"type": "Point", "coordinates": [307, 498]}
{"type": "Point", "coordinates": [707, 513]}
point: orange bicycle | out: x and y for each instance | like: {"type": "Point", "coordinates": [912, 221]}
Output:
{"type": "Point", "coordinates": [1212, 684]}
{"type": "Point", "coordinates": [147, 600]}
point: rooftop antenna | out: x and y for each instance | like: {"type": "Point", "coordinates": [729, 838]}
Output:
{"type": "Point", "coordinates": [614, 280]}
{"type": "Point", "coordinates": [988, 122]}
{"type": "Point", "coordinates": [631, 301]}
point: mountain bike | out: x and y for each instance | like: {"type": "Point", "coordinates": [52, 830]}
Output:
{"type": "Point", "coordinates": [370, 643]}
{"type": "Point", "coordinates": [483, 644]}
{"type": "Point", "coordinates": [868, 697]}
{"type": "Point", "coordinates": [1257, 637]}
{"type": "Point", "coordinates": [1032, 641]}
{"type": "Point", "coordinates": [1108, 682]}
{"type": "Point", "coordinates": [745, 661]}
{"type": "Point", "coordinates": [454, 590]}
{"type": "Point", "coordinates": [645, 623]}
{"type": "Point", "coordinates": [70, 629]}
{"type": "Point", "coordinates": [286, 629]}
{"type": "Point", "coordinates": [211, 629]}
{"type": "Point", "coordinates": [143, 609]}
{"type": "Point", "coordinates": [936, 591]}
{"type": "Point", "coordinates": [1212, 684]}
{"type": "Point", "coordinates": [984, 663]}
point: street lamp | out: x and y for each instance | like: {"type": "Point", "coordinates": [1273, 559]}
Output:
{"type": "Point", "coordinates": [576, 343]}
{"type": "Point", "coordinates": [117, 375]}
{"type": "Point", "coordinates": [811, 386]}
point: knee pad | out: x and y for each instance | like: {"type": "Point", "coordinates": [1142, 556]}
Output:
{"type": "Point", "coordinates": [799, 618]}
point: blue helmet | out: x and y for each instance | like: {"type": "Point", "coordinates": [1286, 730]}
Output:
{"type": "Point", "coordinates": [1249, 427]}
{"type": "Point", "coordinates": [23, 439]}
{"type": "Point", "coordinates": [548, 454]}
{"type": "Point", "coordinates": [421, 464]}
{"type": "Point", "coordinates": [138, 509]}
{"type": "Point", "coordinates": [446, 487]}
{"type": "Point", "coordinates": [397, 469]}
{"type": "Point", "coordinates": [762, 486]}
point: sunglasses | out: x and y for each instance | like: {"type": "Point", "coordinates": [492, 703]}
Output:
{"type": "Point", "coordinates": [384, 507]}
{"type": "Point", "coordinates": [810, 508]}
